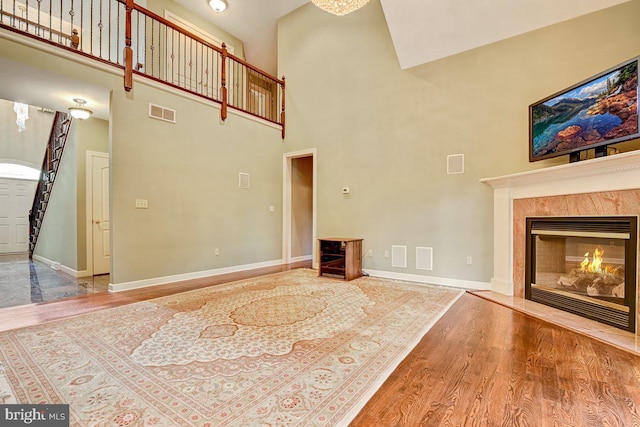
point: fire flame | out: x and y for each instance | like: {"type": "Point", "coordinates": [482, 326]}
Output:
{"type": "Point", "coordinates": [595, 265]}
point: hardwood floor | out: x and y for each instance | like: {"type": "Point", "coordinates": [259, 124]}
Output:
{"type": "Point", "coordinates": [33, 314]}
{"type": "Point", "coordinates": [482, 364]}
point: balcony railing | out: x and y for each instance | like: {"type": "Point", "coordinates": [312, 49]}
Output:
{"type": "Point", "coordinates": [130, 37]}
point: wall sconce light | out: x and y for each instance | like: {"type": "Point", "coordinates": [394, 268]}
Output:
{"type": "Point", "coordinates": [218, 5]}
{"type": "Point", "coordinates": [79, 112]}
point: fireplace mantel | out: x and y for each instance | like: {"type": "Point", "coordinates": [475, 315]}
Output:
{"type": "Point", "coordinates": [612, 173]}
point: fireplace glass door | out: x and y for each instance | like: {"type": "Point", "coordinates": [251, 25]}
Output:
{"type": "Point", "coordinates": [586, 266]}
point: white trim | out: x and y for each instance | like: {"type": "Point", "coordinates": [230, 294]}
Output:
{"type": "Point", "coordinates": [430, 280]}
{"type": "Point", "coordinates": [287, 160]}
{"type": "Point", "coordinates": [89, 205]}
{"type": "Point", "coordinates": [67, 270]}
{"type": "Point", "coordinates": [137, 284]}
{"type": "Point", "coordinates": [301, 258]}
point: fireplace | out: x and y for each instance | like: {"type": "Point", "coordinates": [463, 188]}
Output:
{"type": "Point", "coordinates": [584, 265]}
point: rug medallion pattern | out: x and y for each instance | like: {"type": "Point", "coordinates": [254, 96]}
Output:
{"type": "Point", "coordinates": [279, 350]}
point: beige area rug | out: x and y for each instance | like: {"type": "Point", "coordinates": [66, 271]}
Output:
{"type": "Point", "coordinates": [279, 350]}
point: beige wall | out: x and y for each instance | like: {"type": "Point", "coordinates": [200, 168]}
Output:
{"type": "Point", "coordinates": [159, 6]}
{"type": "Point", "coordinates": [58, 235]}
{"type": "Point", "coordinates": [301, 206]}
{"type": "Point", "coordinates": [187, 171]}
{"type": "Point", "coordinates": [386, 133]}
{"type": "Point", "coordinates": [93, 135]}
{"type": "Point", "coordinates": [63, 235]}
{"type": "Point", "coordinates": [26, 147]}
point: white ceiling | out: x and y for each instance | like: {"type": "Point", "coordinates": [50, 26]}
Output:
{"type": "Point", "coordinates": [426, 30]}
{"type": "Point", "coordinates": [422, 31]}
{"type": "Point", "coordinates": [33, 86]}
{"type": "Point", "coordinates": [253, 22]}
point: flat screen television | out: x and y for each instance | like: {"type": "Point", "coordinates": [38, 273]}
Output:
{"type": "Point", "coordinates": [592, 114]}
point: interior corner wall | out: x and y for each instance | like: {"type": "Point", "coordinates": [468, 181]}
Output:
{"type": "Point", "coordinates": [386, 133]}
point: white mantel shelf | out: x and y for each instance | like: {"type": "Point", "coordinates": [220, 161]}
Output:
{"type": "Point", "coordinates": [608, 170]}
{"type": "Point", "coordinates": [611, 173]}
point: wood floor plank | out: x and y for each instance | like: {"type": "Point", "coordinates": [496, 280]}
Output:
{"type": "Point", "coordinates": [486, 365]}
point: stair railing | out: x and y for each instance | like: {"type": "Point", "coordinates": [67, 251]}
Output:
{"type": "Point", "coordinates": [139, 42]}
{"type": "Point", "coordinates": [48, 173]}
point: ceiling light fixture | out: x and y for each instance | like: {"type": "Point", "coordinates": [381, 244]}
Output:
{"type": "Point", "coordinates": [218, 5]}
{"type": "Point", "coordinates": [79, 112]}
{"type": "Point", "coordinates": [339, 7]}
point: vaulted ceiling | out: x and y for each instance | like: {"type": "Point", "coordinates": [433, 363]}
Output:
{"type": "Point", "coordinates": [422, 30]}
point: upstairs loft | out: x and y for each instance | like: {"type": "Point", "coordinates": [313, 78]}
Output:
{"type": "Point", "coordinates": [139, 42]}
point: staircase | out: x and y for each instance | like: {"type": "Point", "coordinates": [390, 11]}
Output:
{"type": "Point", "coordinates": [49, 170]}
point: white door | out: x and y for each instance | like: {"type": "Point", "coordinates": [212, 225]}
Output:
{"type": "Point", "coordinates": [16, 197]}
{"type": "Point", "coordinates": [100, 214]}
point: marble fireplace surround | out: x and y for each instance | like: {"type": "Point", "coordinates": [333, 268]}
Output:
{"type": "Point", "coordinates": [603, 186]}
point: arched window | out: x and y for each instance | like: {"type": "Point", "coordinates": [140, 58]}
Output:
{"type": "Point", "coordinates": [17, 171]}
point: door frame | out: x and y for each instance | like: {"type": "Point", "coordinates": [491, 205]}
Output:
{"type": "Point", "coordinates": [89, 205]}
{"type": "Point", "coordinates": [287, 165]}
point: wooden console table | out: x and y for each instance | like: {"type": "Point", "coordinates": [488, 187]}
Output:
{"type": "Point", "coordinates": [340, 257]}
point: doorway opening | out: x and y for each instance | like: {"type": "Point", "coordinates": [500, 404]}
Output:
{"type": "Point", "coordinates": [299, 206]}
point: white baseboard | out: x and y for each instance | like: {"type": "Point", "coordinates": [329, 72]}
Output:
{"type": "Point", "coordinates": [301, 258]}
{"type": "Point", "coordinates": [443, 281]}
{"type": "Point", "coordinates": [57, 266]}
{"type": "Point", "coordinates": [137, 284]}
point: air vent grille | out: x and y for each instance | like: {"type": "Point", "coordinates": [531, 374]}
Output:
{"type": "Point", "coordinates": [162, 113]}
{"type": "Point", "coordinates": [589, 225]}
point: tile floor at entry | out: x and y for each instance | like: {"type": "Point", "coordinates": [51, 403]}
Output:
{"type": "Point", "coordinates": [24, 281]}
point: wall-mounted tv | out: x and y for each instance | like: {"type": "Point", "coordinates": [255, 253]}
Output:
{"type": "Point", "coordinates": [594, 113]}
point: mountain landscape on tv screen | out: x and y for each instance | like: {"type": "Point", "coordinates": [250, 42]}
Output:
{"type": "Point", "coordinates": [604, 109]}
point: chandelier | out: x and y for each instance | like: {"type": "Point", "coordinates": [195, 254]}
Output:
{"type": "Point", "coordinates": [339, 7]}
{"type": "Point", "coordinates": [22, 114]}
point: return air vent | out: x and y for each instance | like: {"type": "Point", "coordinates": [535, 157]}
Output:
{"type": "Point", "coordinates": [162, 113]}
{"type": "Point", "coordinates": [399, 256]}
{"type": "Point", "coordinates": [424, 258]}
{"type": "Point", "coordinates": [243, 180]}
{"type": "Point", "coordinates": [455, 164]}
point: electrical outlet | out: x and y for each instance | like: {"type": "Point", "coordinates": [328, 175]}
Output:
{"type": "Point", "coordinates": [386, 254]}
{"type": "Point", "coordinates": [216, 252]}
{"type": "Point", "coordinates": [469, 260]}
{"type": "Point", "coordinates": [370, 252]}
{"type": "Point", "coordinates": [142, 204]}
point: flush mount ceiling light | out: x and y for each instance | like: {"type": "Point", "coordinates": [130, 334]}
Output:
{"type": "Point", "coordinates": [218, 5]}
{"type": "Point", "coordinates": [339, 7]}
{"type": "Point", "coordinates": [79, 112]}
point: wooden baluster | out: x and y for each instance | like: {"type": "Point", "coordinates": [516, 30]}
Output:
{"type": "Point", "coordinates": [282, 108]}
{"type": "Point", "coordinates": [223, 82]}
{"type": "Point", "coordinates": [128, 52]}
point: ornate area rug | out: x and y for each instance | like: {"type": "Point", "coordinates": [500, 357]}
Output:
{"type": "Point", "coordinates": [279, 350]}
